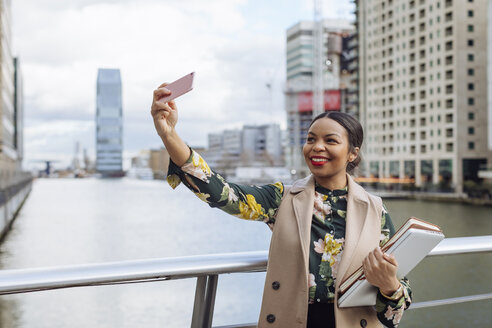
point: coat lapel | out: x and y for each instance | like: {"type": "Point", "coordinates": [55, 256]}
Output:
{"type": "Point", "coordinates": [302, 202]}
{"type": "Point", "coordinates": [357, 203]}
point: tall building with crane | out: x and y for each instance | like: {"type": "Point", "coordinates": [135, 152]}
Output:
{"type": "Point", "coordinates": [318, 78]}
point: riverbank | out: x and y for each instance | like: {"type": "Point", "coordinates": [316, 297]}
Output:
{"type": "Point", "coordinates": [11, 200]}
{"type": "Point", "coordinates": [461, 198]}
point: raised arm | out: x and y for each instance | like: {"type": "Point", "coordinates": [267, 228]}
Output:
{"type": "Point", "coordinates": [257, 203]}
{"type": "Point", "coordinates": [165, 115]}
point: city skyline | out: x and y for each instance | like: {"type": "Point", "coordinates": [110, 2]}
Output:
{"type": "Point", "coordinates": [236, 48]}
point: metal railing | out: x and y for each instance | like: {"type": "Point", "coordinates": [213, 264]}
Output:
{"type": "Point", "coordinates": [206, 268]}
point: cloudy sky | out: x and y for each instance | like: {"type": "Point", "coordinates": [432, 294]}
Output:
{"type": "Point", "coordinates": [235, 47]}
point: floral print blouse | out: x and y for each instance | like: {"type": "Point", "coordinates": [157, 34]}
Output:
{"type": "Point", "coordinates": [260, 203]}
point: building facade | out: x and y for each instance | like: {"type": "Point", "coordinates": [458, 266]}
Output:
{"type": "Point", "coordinates": [11, 125]}
{"type": "Point", "coordinates": [336, 78]}
{"type": "Point", "coordinates": [253, 145]}
{"type": "Point", "coordinates": [423, 89]}
{"type": "Point", "coordinates": [109, 123]}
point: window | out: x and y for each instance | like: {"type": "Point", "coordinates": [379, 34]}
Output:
{"type": "Point", "coordinates": [470, 13]}
{"type": "Point", "coordinates": [471, 101]}
{"type": "Point", "coordinates": [449, 60]}
{"type": "Point", "coordinates": [470, 42]}
{"type": "Point", "coordinates": [471, 116]}
{"type": "Point", "coordinates": [449, 147]}
{"type": "Point", "coordinates": [449, 118]}
{"type": "Point", "coordinates": [449, 31]}
{"type": "Point", "coordinates": [471, 130]}
{"type": "Point", "coordinates": [470, 28]}
{"type": "Point", "coordinates": [471, 145]}
{"type": "Point", "coordinates": [449, 45]}
{"type": "Point", "coordinates": [449, 132]}
{"type": "Point", "coordinates": [449, 89]}
{"type": "Point", "coordinates": [449, 75]}
{"type": "Point", "coordinates": [449, 103]}
{"type": "Point", "coordinates": [471, 57]}
{"type": "Point", "coordinates": [449, 16]}
{"type": "Point", "coordinates": [471, 86]}
{"type": "Point", "coordinates": [471, 72]}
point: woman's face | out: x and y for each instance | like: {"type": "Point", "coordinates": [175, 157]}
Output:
{"type": "Point", "coordinates": [326, 152]}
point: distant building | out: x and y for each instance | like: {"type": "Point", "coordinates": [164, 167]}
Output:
{"type": "Point", "coordinates": [339, 59]}
{"type": "Point", "coordinates": [14, 183]}
{"type": "Point", "coordinates": [423, 95]}
{"type": "Point", "coordinates": [489, 74]}
{"type": "Point", "coordinates": [262, 144]}
{"type": "Point", "coordinates": [11, 122]}
{"type": "Point", "coordinates": [159, 162]}
{"type": "Point", "coordinates": [250, 146]}
{"type": "Point", "coordinates": [18, 113]}
{"type": "Point", "coordinates": [109, 123]}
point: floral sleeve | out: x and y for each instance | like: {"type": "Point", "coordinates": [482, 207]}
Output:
{"type": "Point", "coordinates": [390, 311]}
{"type": "Point", "coordinates": [257, 203]}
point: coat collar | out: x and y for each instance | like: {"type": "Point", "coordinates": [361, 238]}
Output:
{"type": "Point", "coordinates": [357, 205]}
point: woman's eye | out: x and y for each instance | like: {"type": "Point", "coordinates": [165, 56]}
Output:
{"type": "Point", "coordinates": [309, 139]}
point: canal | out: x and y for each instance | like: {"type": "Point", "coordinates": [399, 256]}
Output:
{"type": "Point", "coordinates": [66, 222]}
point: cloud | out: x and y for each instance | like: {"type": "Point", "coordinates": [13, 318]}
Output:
{"type": "Point", "coordinates": [234, 53]}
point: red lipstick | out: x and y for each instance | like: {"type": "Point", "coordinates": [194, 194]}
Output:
{"type": "Point", "coordinates": [318, 160]}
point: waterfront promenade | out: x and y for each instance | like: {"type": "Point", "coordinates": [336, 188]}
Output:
{"type": "Point", "coordinates": [70, 221]}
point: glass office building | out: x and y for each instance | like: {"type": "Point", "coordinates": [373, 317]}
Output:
{"type": "Point", "coordinates": [109, 123]}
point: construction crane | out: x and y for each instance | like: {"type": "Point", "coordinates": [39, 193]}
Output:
{"type": "Point", "coordinates": [318, 88]}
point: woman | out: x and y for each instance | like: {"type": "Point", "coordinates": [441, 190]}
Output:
{"type": "Point", "coordinates": [324, 227]}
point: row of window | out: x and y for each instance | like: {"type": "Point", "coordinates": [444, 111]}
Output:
{"type": "Point", "coordinates": [449, 132]}
{"type": "Point", "coordinates": [388, 15]}
{"type": "Point", "coordinates": [422, 67]}
{"type": "Point", "coordinates": [449, 147]}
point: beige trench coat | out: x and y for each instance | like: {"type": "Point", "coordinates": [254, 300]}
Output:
{"type": "Point", "coordinates": [285, 296]}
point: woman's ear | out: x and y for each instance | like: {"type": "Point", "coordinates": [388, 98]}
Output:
{"type": "Point", "coordinates": [354, 154]}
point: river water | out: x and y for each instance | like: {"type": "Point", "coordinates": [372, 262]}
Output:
{"type": "Point", "coordinates": [66, 222]}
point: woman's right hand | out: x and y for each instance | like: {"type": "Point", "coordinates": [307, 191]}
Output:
{"type": "Point", "coordinates": [165, 114]}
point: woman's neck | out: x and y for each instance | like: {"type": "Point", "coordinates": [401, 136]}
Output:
{"type": "Point", "coordinates": [332, 183]}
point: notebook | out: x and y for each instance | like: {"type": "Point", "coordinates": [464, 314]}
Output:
{"type": "Point", "coordinates": [410, 244]}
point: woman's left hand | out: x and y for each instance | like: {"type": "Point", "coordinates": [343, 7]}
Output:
{"type": "Point", "coordinates": [380, 270]}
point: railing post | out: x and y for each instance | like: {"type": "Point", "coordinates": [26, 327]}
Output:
{"type": "Point", "coordinates": [203, 308]}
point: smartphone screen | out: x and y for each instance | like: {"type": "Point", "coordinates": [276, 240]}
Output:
{"type": "Point", "coordinates": [179, 87]}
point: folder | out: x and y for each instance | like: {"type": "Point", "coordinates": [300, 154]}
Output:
{"type": "Point", "coordinates": [410, 244]}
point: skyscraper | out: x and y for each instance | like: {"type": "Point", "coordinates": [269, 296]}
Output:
{"type": "Point", "coordinates": [109, 123]}
{"type": "Point", "coordinates": [423, 89]}
{"type": "Point", "coordinates": [335, 75]}
{"type": "Point", "coordinates": [10, 123]}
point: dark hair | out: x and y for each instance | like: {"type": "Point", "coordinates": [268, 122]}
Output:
{"type": "Point", "coordinates": [354, 132]}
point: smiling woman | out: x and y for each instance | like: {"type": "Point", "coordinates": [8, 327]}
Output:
{"type": "Point", "coordinates": [325, 226]}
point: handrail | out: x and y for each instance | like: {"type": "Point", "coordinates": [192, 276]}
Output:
{"type": "Point", "coordinates": [30, 280]}
{"type": "Point", "coordinates": [205, 267]}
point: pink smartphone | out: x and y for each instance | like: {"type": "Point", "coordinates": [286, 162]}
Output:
{"type": "Point", "coordinates": [179, 87]}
